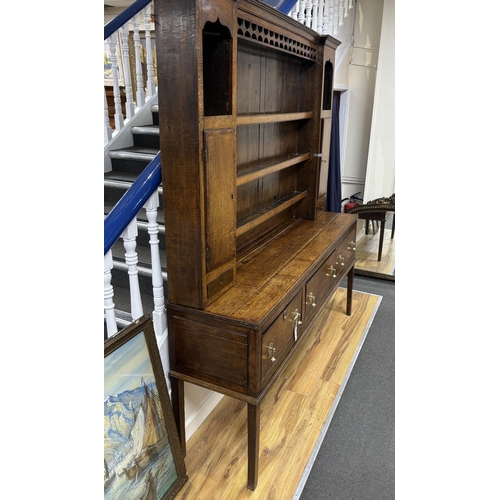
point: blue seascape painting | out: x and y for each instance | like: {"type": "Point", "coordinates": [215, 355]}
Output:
{"type": "Point", "coordinates": [138, 460]}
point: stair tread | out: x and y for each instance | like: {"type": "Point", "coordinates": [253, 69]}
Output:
{"type": "Point", "coordinates": [116, 175]}
{"type": "Point", "coordinates": [146, 129]}
{"type": "Point", "coordinates": [133, 151]}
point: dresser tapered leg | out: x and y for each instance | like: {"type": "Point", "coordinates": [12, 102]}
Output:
{"type": "Point", "coordinates": [253, 421]}
{"type": "Point", "coordinates": [350, 284]}
{"type": "Point", "coordinates": [178, 409]}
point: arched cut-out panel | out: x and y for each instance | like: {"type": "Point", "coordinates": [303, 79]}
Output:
{"type": "Point", "coordinates": [217, 42]}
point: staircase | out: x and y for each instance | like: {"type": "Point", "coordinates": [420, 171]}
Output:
{"type": "Point", "coordinates": [127, 163]}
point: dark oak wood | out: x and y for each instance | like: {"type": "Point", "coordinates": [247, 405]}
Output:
{"type": "Point", "coordinates": [245, 98]}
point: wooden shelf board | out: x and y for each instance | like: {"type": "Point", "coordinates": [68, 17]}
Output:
{"type": "Point", "coordinates": [272, 118]}
{"type": "Point", "coordinates": [270, 169]}
{"type": "Point", "coordinates": [266, 213]}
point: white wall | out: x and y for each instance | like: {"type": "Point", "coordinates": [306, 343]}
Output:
{"type": "Point", "coordinates": [380, 171]}
{"type": "Point", "coordinates": [361, 79]}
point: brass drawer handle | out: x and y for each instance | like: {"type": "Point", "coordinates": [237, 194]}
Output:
{"type": "Point", "coordinates": [352, 245]}
{"type": "Point", "coordinates": [340, 258]}
{"type": "Point", "coordinates": [310, 300]}
{"type": "Point", "coordinates": [296, 317]}
{"type": "Point", "coordinates": [332, 272]}
{"type": "Point", "coordinates": [271, 350]}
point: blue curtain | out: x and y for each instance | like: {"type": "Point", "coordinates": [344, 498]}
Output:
{"type": "Point", "coordinates": [334, 187]}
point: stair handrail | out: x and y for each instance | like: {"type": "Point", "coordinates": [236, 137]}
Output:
{"type": "Point", "coordinates": [125, 16]}
{"type": "Point", "coordinates": [131, 202]}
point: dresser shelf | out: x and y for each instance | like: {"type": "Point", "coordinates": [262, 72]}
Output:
{"type": "Point", "coordinates": [272, 118]}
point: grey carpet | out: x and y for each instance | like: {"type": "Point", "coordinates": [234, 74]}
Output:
{"type": "Point", "coordinates": [356, 460]}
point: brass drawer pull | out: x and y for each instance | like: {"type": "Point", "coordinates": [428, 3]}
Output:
{"type": "Point", "coordinates": [332, 272]}
{"type": "Point", "coordinates": [271, 350]}
{"type": "Point", "coordinates": [310, 300]}
{"type": "Point", "coordinates": [341, 260]}
{"type": "Point", "coordinates": [296, 317]}
{"type": "Point", "coordinates": [352, 245]}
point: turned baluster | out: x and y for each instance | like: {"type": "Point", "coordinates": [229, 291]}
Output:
{"type": "Point", "coordinates": [326, 11]}
{"type": "Point", "coordinates": [159, 314]}
{"type": "Point", "coordinates": [109, 306]}
{"type": "Point", "coordinates": [150, 82]}
{"type": "Point", "coordinates": [302, 8]}
{"type": "Point", "coordinates": [108, 133]}
{"type": "Point", "coordinates": [319, 22]}
{"type": "Point", "coordinates": [341, 12]}
{"type": "Point", "coordinates": [116, 87]}
{"type": "Point", "coordinates": [314, 15]}
{"type": "Point", "coordinates": [131, 258]}
{"type": "Point", "coordinates": [139, 93]}
{"type": "Point", "coordinates": [333, 17]}
{"type": "Point", "coordinates": [129, 103]}
{"type": "Point", "coordinates": [308, 13]}
{"type": "Point", "coordinates": [294, 12]}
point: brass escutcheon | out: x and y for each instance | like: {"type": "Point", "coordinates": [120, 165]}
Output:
{"type": "Point", "coordinates": [332, 272]}
{"type": "Point", "coordinates": [271, 350]}
{"type": "Point", "coordinates": [311, 298]}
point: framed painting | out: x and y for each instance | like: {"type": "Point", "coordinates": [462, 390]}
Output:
{"type": "Point", "coordinates": [143, 459]}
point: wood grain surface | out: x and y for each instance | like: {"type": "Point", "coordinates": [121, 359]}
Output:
{"type": "Point", "coordinates": [292, 414]}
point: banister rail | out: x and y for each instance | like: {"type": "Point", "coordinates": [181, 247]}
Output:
{"type": "Point", "coordinates": [123, 17]}
{"type": "Point", "coordinates": [131, 202]}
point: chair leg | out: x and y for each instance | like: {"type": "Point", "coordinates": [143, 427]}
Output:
{"type": "Point", "coordinates": [381, 241]}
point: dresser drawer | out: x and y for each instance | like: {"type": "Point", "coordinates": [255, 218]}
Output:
{"type": "Point", "coordinates": [346, 251]}
{"type": "Point", "coordinates": [279, 338]}
{"type": "Point", "coordinates": [320, 285]}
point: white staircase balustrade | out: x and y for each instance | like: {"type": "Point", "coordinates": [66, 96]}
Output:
{"type": "Point", "coordinates": [112, 42]}
{"type": "Point", "coordinates": [129, 103]}
{"type": "Point", "coordinates": [138, 66]}
{"type": "Point", "coordinates": [108, 133]}
{"type": "Point", "coordinates": [150, 84]}
{"type": "Point", "coordinates": [315, 14]}
{"type": "Point", "coordinates": [159, 313]}
{"type": "Point", "coordinates": [109, 306]}
{"type": "Point", "coordinates": [302, 11]}
{"type": "Point", "coordinates": [120, 58]}
{"type": "Point", "coordinates": [308, 16]}
{"type": "Point", "coordinates": [323, 16]}
{"type": "Point", "coordinates": [131, 259]}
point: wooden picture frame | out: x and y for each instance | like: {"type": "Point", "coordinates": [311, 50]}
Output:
{"type": "Point", "coordinates": [143, 458]}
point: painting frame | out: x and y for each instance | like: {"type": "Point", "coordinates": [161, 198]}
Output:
{"type": "Point", "coordinates": [143, 458]}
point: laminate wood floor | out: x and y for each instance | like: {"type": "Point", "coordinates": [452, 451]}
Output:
{"type": "Point", "coordinates": [294, 414]}
{"type": "Point", "coordinates": [367, 253]}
